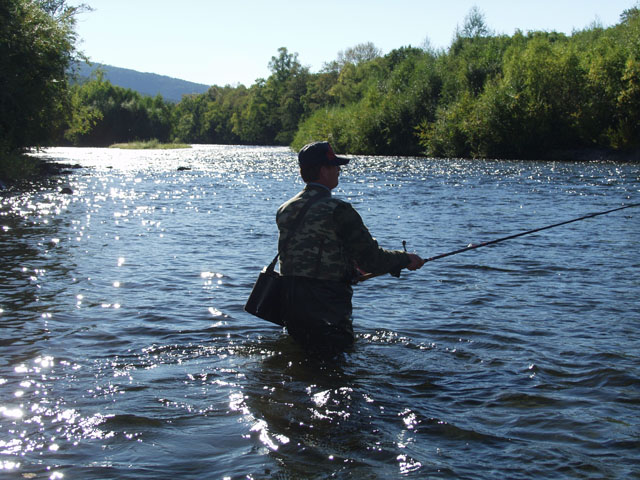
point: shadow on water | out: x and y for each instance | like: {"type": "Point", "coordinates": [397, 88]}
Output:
{"type": "Point", "coordinates": [314, 417]}
{"type": "Point", "coordinates": [362, 414]}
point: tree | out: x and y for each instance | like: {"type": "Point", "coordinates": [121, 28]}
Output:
{"type": "Point", "coordinates": [475, 25]}
{"type": "Point", "coordinates": [274, 106]}
{"type": "Point", "coordinates": [318, 87]}
{"type": "Point", "coordinates": [104, 114]}
{"type": "Point", "coordinates": [254, 123]}
{"type": "Point", "coordinates": [627, 134]}
{"type": "Point", "coordinates": [630, 15]}
{"type": "Point", "coordinates": [37, 45]}
{"type": "Point", "coordinates": [221, 105]}
{"type": "Point", "coordinates": [284, 66]}
{"type": "Point", "coordinates": [361, 53]}
{"type": "Point", "coordinates": [284, 91]}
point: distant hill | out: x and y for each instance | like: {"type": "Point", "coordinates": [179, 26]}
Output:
{"type": "Point", "coordinates": [151, 84]}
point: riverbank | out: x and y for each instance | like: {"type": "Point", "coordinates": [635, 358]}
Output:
{"type": "Point", "coordinates": [594, 154]}
{"type": "Point", "coordinates": [149, 145]}
{"type": "Point", "coordinates": [19, 168]}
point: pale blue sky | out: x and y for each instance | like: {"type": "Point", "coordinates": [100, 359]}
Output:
{"type": "Point", "coordinates": [230, 42]}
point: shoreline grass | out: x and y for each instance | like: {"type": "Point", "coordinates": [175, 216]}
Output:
{"type": "Point", "coordinates": [19, 167]}
{"type": "Point", "coordinates": [15, 167]}
{"type": "Point", "coordinates": [149, 145]}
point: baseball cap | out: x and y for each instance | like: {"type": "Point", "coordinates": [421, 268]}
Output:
{"type": "Point", "coordinates": [320, 153]}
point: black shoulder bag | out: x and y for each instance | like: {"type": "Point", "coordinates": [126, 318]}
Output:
{"type": "Point", "coordinates": [264, 300]}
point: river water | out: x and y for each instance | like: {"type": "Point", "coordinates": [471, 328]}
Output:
{"type": "Point", "coordinates": [126, 352]}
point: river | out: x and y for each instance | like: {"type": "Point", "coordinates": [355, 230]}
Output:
{"type": "Point", "coordinates": [126, 353]}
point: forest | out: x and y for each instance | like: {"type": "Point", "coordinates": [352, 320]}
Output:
{"type": "Point", "coordinates": [527, 95]}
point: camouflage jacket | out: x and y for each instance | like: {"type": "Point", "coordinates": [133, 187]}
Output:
{"type": "Point", "coordinates": [331, 240]}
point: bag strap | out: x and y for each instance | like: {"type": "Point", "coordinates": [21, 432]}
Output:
{"type": "Point", "coordinates": [296, 225]}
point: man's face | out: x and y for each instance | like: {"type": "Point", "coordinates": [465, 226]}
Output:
{"type": "Point", "coordinates": [329, 176]}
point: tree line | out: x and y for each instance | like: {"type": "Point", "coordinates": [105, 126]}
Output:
{"type": "Point", "coordinates": [524, 95]}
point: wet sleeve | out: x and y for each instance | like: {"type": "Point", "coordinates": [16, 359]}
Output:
{"type": "Point", "coordinates": [362, 247]}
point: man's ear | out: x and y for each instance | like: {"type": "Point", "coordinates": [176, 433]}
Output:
{"type": "Point", "coordinates": [322, 173]}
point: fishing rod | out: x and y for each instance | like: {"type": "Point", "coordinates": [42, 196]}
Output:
{"type": "Point", "coordinates": [367, 276]}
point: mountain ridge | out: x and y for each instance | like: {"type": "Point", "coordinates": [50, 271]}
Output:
{"type": "Point", "coordinates": [151, 84]}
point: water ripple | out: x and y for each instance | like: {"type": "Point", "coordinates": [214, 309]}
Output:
{"type": "Point", "coordinates": [127, 353]}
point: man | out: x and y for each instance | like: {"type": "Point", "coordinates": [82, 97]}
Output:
{"type": "Point", "coordinates": [321, 256]}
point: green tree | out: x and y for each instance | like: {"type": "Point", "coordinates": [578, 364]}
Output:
{"type": "Point", "coordinates": [378, 104]}
{"type": "Point", "coordinates": [627, 133]}
{"type": "Point", "coordinates": [284, 91]}
{"type": "Point", "coordinates": [318, 95]}
{"type": "Point", "coordinates": [475, 25]}
{"type": "Point", "coordinates": [37, 45]}
{"type": "Point", "coordinates": [189, 119]}
{"type": "Point", "coordinates": [222, 103]}
{"type": "Point", "coordinates": [361, 53]}
{"type": "Point", "coordinates": [104, 114]}
{"type": "Point", "coordinates": [274, 106]}
{"type": "Point", "coordinates": [255, 123]}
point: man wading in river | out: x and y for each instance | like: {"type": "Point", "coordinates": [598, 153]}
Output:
{"type": "Point", "coordinates": [323, 244]}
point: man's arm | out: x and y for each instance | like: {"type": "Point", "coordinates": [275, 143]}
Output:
{"type": "Point", "coordinates": [364, 249]}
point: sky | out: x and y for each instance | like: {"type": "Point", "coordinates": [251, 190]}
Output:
{"type": "Point", "coordinates": [230, 42]}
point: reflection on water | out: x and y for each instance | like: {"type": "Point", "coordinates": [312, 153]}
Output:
{"type": "Point", "coordinates": [126, 352]}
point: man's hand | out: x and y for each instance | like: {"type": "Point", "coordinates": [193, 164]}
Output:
{"type": "Point", "coordinates": [415, 262]}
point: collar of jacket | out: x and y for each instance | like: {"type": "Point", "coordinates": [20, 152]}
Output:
{"type": "Point", "coordinates": [319, 187]}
